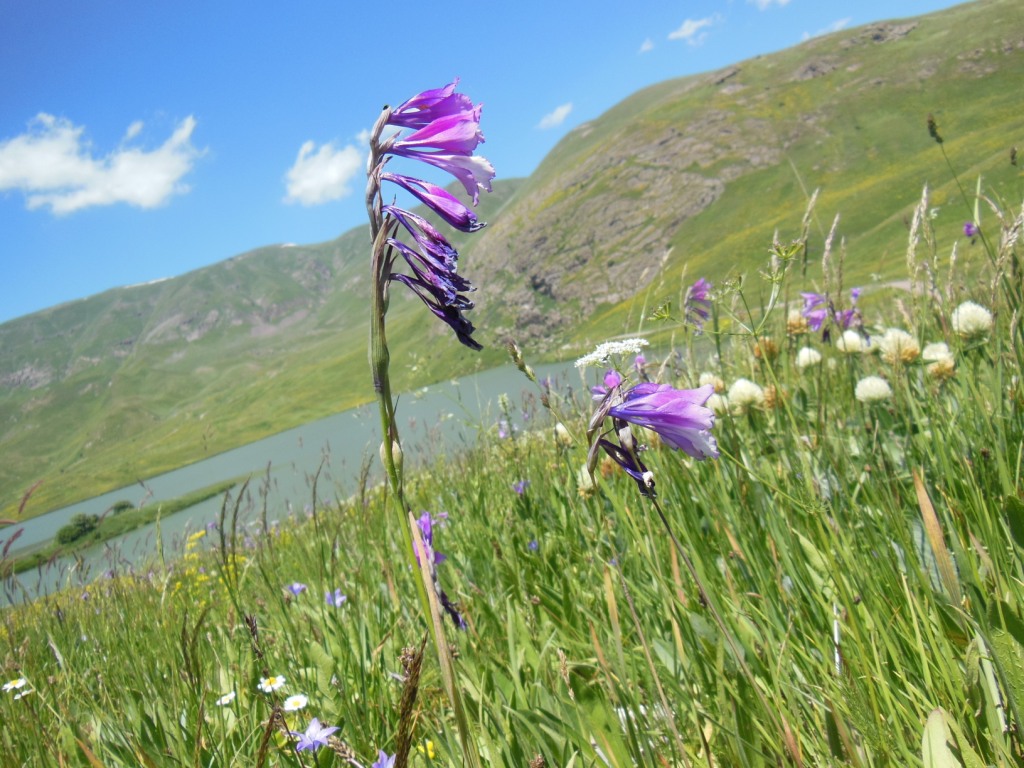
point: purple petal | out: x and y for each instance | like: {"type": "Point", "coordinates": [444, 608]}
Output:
{"type": "Point", "coordinates": [442, 202]}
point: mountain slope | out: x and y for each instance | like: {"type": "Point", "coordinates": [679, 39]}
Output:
{"type": "Point", "coordinates": [687, 178]}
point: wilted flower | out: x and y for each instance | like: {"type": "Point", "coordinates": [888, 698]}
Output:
{"type": "Point", "coordinates": [314, 737]}
{"type": "Point", "coordinates": [898, 346]}
{"type": "Point", "coordinates": [272, 683]}
{"type": "Point", "coordinates": [872, 389]}
{"type": "Point", "coordinates": [697, 304]}
{"type": "Point", "coordinates": [807, 356]}
{"type": "Point", "coordinates": [677, 415]}
{"type": "Point", "coordinates": [971, 321]}
{"type": "Point", "coordinates": [713, 379]}
{"type": "Point", "coordinates": [745, 394]}
{"type": "Point", "coordinates": [796, 323]}
{"type": "Point", "coordinates": [226, 699]}
{"type": "Point", "coordinates": [335, 599]}
{"type": "Point", "coordinates": [765, 348]}
{"type": "Point", "coordinates": [295, 703]}
{"type": "Point", "coordinates": [942, 369]}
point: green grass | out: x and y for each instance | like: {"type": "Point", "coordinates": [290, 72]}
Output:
{"type": "Point", "coordinates": [895, 527]}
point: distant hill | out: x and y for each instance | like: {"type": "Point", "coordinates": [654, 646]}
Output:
{"type": "Point", "coordinates": [687, 178]}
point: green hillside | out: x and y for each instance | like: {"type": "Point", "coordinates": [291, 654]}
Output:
{"type": "Point", "coordinates": [688, 178]}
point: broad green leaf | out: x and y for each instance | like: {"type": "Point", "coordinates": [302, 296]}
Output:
{"type": "Point", "coordinates": [935, 743]}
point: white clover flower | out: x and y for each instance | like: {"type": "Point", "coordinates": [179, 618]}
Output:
{"type": "Point", "coordinates": [562, 436]}
{"type": "Point", "coordinates": [807, 356]}
{"type": "Point", "coordinates": [936, 351]}
{"type": "Point", "coordinates": [745, 394]}
{"type": "Point", "coordinates": [898, 346]}
{"type": "Point", "coordinates": [852, 343]}
{"type": "Point", "coordinates": [295, 703]}
{"type": "Point", "coordinates": [713, 379]}
{"type": "Point", "coordinates": [971, 321]}
{"type": "Point", "coordinates": [272, 683]}
{"type": "Point", "coordinates": [719, 404]}
{"type": "Point", "coordinates": [226, 699]}
{"type": "Point", "coordinates": [585, 481]}
{"type": "Point", "coordinates": [872, 389]}
{"type": "Point", "coordinates": [604, 351]}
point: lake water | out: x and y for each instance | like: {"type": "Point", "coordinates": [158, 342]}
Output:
{"type": "Point", "coordinates": [442, 417]}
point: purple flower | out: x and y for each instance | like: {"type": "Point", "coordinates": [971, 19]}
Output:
{"type": "Point", "coordinates": [533, 546]}
{"type": "Point", "coordinates": [336, 599]}
{"type": "Point", "coordinates": [297, 588]}
{"type": "Point", "coordinates": [970, 229]}
{"type": "Point", "coordinates": [426, 522]}
{"type": "Point", "coordinates": [439, 200]}
{"type": "Point", "coordinates": [384, 760]}
{"type": "Point", "coordinates": [817, 309]}
{"type": "Point", "coordinates": [314, 737]}
{"type": "Point", "coordinates": [677, 415]}
{"type": "Point", "coordinates": [612, 379]}
{"type": "Point", "coordinates": [697, 304]}
{"type": "Point", "coordinates": [520, 486]}
{"type": "Point", "coordinates": [430, 105]}
{"type": "Point", "coordinates": [630, 462]}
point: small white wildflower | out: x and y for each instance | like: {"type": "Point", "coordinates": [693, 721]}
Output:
{"type": "Point", "coordinates": [272, 683]}
{"type": "Point", "coordinates": [852, 342]}
{"type": "Point", "coordinates": [745, 394]}
{"type": "Point", "coordinates": [295, 703]}
{"type": "Point", "coordinates": [898, 346]}
{"type": "Point", "coordinates": [604, 351]}
{"type": "Point", "coordinates": [13, 685]}
{"type": "Point", "coordinates": [713, 379]}
{"type": "Point", "coordinates": [807, 356]}
{"type": "Point", "coordinates": [872, 389]}
{"type": "Point", "coordinates": [23, 694]}
{"type": "Point", "coordinates": [562, 436]}
{"type": "Point", "coordinates": [936, 351]}
{"type": "Point", "coordinates": [226, 699]}
{"type": "Point", "coordinates": [719, 404]}
{"type": "Point", "coordinates": [971, 321]}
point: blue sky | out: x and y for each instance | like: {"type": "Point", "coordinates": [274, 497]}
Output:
{"type": "Point", "coordinates": [142, 140]}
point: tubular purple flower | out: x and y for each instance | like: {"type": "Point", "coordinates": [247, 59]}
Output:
{"type": "Point", "coordinates": [444, 284]}
{"type": "Point", "coordinates": [428, 238]}
{"type": "Point", "coordinates": [450, 313]}
{"type": "Point", "coordinates": [439, 200]}
{"type": "Point", "coordinates": [430, 105]}
{"type": "Point", "coordinates": [679, 416]}
{"type": "Point", "coordinates": [472, 171]}
{"type": "Point", "coordinates": [697, 304]}
{"type": "Point", "coordinates": [815, 309]}
{"type": "Point", "coordinates": [457, 134]}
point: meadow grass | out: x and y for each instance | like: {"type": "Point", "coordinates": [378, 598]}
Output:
{"type": "Point", "coordinates": [845, 587]}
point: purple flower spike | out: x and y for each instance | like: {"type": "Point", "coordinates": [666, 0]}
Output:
{"type": "Point", "coordinates": [430, 105]}
{"type": "Point", "coordinates": [677, 415]}
{"type": "Point", "coordinates": [314, 737]}
{"type": "Point", "coordinates": [457, 134]}
{"type": "Point", "coordinates": [426, 523]}
{"type": "Point", "coordinates": [697, 304]}
{"type": "Point", "coordinates": [439, 200]}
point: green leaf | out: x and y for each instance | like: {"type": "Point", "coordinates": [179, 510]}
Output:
{"type": "Point", "coordinates": [1015, 519]}
{"type": "Point", "coordinates": [936, 751]}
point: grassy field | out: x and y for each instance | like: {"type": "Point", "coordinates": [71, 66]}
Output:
{"type": "Point", "coordinates": [845, 586]}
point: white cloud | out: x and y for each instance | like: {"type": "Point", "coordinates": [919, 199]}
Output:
{"type": "Point", "coordinates": [763, 5]}
{"type": "Point", "coordinates": [555, 118]}
{"type": "Point", "coordinates": [691, 30]}
{"type": "Point", "coordinates": [646, 46]}
{"type": "Point", "coordinates": [321, 175]}
{"type": "Point", "coordinates": [53, 165]}
{"type": "Point", "coordinates": [835, 26]}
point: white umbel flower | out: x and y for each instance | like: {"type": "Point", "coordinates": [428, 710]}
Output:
{"type": "Point", "coordinates": [604, 351]}
{"type": "Point", "coordinates": [971, 321]}
{"type": "Point", "coordinates": [872, 389]}
{"type": "Point", "coordinates": [807, 356]}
